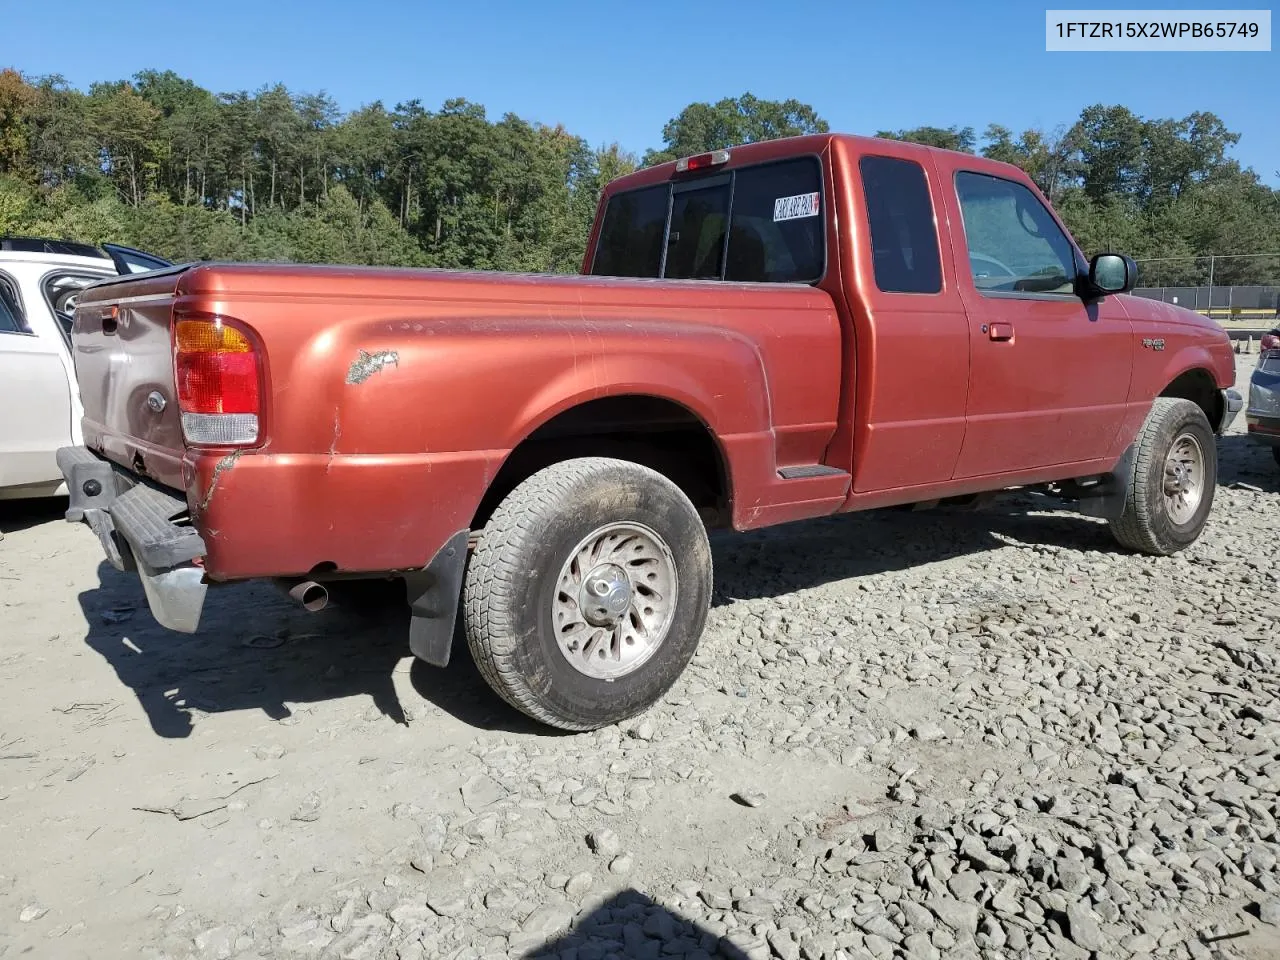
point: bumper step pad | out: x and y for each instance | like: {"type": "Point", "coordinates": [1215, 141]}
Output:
{"type": "Point", "coordinates": [144, 517]}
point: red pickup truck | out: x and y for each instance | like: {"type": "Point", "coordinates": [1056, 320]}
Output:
{"type": "Point", "coordinates": [777, 331]}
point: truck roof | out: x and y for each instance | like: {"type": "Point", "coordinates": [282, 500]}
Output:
{"type": "Point", "coordinates": [811, 143]}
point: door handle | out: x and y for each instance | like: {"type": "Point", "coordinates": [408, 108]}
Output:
{"type": "Point", "coordinates": [1000, 331]}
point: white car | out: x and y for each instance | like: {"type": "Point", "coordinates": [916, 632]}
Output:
{"type": "Point", "coordinates": [39, 282]}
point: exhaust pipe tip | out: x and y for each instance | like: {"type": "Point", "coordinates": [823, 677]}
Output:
{"type": "Point", "coordinates": [311, 595]}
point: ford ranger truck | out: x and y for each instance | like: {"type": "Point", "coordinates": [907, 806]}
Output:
{"type": "Point", "coordinates": [758, 335]}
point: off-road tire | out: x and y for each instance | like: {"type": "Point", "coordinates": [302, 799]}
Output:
{"type": "Point", "coordinates": [511, 583]}
{"type": "Point", "coordinates": [1146, 524]}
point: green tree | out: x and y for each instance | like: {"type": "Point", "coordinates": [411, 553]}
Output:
{"type": "Point", "coordinates": [1110, 140]}
{"type": "Point", "coordinates": [746, 119]}
{"type": "Point", "coordinates": [162, 163]}
{"type": "Point", "coordinates": [1048, 158]}
{"type": "Point", "coordinates": [63, 144]}
{"type": "Point", "coordinates": [17, 102]}
{"type": "Point", "coordinates": [126, 127]}
{"type": "Point", "coordinates": [946, 138]}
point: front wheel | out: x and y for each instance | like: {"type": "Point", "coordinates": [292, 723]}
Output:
{"type": "Point", "coordinates": [1174, 477]}
{"type": "Point", "coordinates": [588, 591]}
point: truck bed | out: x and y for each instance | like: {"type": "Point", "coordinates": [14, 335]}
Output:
{"type": "Point", "coordinates": [373, 378]}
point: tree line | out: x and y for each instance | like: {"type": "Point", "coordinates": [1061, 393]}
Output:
{"type": "Point", "coordinates": [160, 163]}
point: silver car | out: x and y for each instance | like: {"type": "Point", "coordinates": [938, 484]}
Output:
{"type": "Point", "coordinates": [1262, 416]}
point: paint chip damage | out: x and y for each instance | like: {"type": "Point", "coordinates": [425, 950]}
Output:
{"type": "Point", "coordinates": [366, 364]}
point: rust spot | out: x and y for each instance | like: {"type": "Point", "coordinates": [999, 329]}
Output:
{"type": "Point", "coordinates": [366, 364]}
{"type": "Point", "coordinates": [226, 463]}
{"type": "Point", "coordinates": [337, 432]}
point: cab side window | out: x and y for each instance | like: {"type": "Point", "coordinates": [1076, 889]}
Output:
{"type": "Point", "coordinates": [1015, 245]}
{"type": "Point", "coordinates": [904, 237]}
{"type": "Point", "coordinates": [10, 308]}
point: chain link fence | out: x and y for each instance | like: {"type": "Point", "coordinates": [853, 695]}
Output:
{"type": "Point", "coordinates": [1234, 288]}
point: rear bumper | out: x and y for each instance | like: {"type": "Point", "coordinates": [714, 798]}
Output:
{"type": "Point", "coordinates": [1262, 417]}
{"type": "Point", "coordinates": [1264, 430]}
{"type": "Point", "coordinates": [1231, 405]}
{"type": "Point", "coordinates": [142, 528]}
{"type": "Point", "coordinates": [280, 516]}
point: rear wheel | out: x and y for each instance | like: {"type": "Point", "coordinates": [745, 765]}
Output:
{"type": "Point", "coordinates": [588, 592]}
{"type": "Point", "coordinates": [1174, 477]}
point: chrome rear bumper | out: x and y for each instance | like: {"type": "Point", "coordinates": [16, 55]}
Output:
{"type": "Point", "coordinates": [143, 528]}
{"type": "Point", "coordinates": [1232, 402]}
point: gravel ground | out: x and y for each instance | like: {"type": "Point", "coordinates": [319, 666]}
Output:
{"type": "Point", "coordinates": [922, 735]}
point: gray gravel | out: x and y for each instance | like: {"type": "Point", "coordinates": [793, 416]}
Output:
{"type": "Point", "coordinates": [906, 735]}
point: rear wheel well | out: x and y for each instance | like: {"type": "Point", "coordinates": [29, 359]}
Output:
{"type": "Point", "coordinates": [1198, 386]}
{"type": "Point", "coordinates": [652, 431]}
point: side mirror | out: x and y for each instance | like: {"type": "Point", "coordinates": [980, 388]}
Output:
{"type": "Point", "coordinates": [1112, 273]}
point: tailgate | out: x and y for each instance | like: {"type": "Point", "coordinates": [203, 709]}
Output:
{"type": "Point", "coordinates": [124, 364]}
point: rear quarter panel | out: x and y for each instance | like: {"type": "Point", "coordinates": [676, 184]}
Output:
{"type": "Point", "coordinates": [421, 383]}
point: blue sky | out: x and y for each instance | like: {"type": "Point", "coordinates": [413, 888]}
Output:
{"type": "Point", "coordinates": [610, 76]}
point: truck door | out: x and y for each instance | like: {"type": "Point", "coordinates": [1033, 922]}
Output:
{"type": "Point", "coordinates": [1049, 374]}
{"type": "Point", "coordinates": [912, 394]}
{"type": "Point", "coordinates": [35, 397]}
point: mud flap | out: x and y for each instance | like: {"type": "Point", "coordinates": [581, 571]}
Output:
{"type": "Point", "coordinates": [1107, 498]}
{"type": "Point", "coordinates": [434, 593]}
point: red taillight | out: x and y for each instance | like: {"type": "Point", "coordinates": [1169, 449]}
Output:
{"type": "Point", "coordinates": [218, 377]}
{"type": "Point", "coordinates": [703, 160]}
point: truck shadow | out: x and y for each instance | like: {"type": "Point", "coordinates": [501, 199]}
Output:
{"type": "Point", "coordinates": [1241, 460]}
{"type": "Point", "coordinates": [630, 924]}
{"type": "Point", "coordinates": [257, 650]}
{"type": "Point", "coordinates": [778, 560]}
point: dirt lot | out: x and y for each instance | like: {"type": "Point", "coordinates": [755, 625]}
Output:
{"type": "Point", "coordinates": [906, 734]}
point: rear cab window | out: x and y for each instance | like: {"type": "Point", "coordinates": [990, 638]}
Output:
{"type": "Point", "coordinates": [760, 223]}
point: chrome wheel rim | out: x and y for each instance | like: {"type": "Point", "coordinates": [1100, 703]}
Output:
{"type": "Point", "coordinates": [615, 600]}
{"type": "Point", "coordinates": [1184, 478]}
